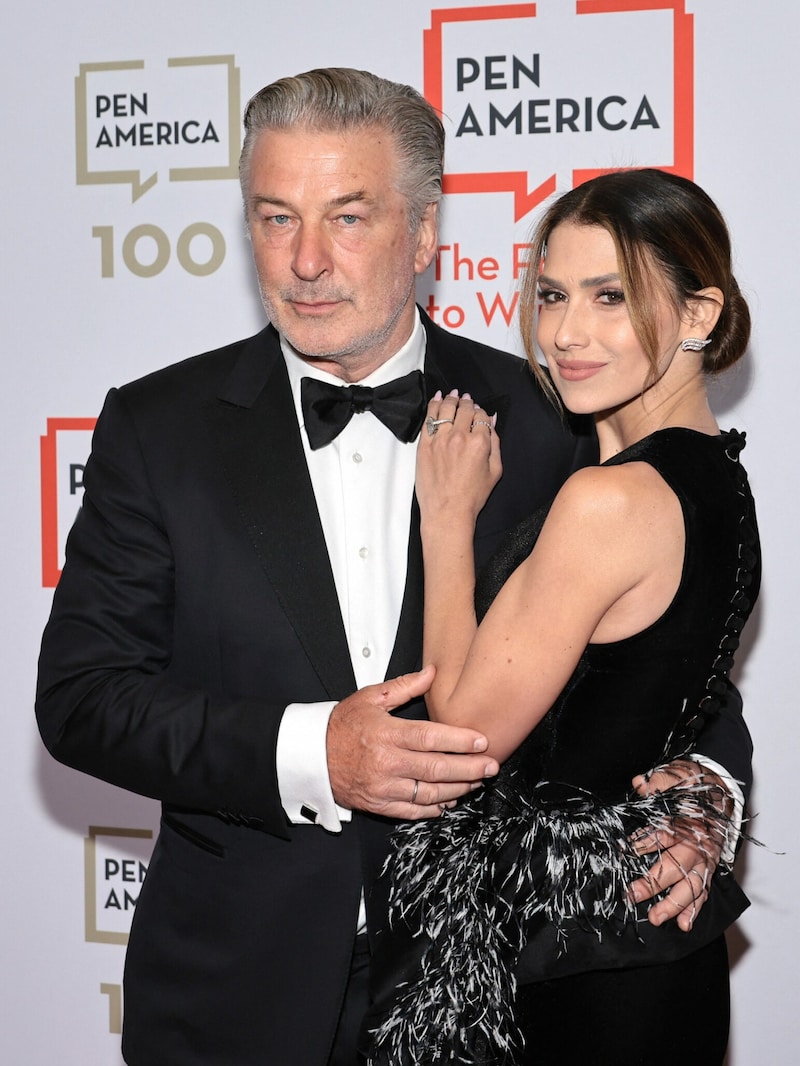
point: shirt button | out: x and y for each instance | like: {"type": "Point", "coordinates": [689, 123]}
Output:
{"type": "Point", "coordinates": [358, 457]}
{"type": "Point", "coordinates": [363, 552]}
{"type": "Point", "coordinates": [366, 652]}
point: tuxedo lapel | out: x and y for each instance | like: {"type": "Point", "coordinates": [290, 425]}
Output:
{"type": "Point", "coordinates": [256, 430]}
{"type": "Point", "coordinates": [407, 651]}
{"type": "Point", "coordinates": [445, 369]}
{"type": "Point", "coordinates": [440, 370]}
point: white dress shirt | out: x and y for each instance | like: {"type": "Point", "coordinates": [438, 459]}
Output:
{"type": "Point", "coordinates": [363, 482]}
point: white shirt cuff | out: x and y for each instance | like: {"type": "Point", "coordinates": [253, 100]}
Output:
{"type": "Point", "coordinates": [735, 826]}
{"type": "Point", "coordinates": [302, 766]}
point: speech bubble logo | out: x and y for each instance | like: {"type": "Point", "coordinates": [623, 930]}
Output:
{"type": "Point", "coordinates": [112, 116]}
{"type": "Point", "coordinates": [62, 454]}
{"type": "Point", "coordinates": [115, 862]}
{"type": "Point", "coordinates": [509, 76]}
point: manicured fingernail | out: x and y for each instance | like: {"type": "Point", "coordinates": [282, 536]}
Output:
{"type": "Point", "coordinates": [437, 395]}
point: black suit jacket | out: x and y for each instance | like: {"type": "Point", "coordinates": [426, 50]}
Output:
{"type": "Point", "coordinates": [196, 602]}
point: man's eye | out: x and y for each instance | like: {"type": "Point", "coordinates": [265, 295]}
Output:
{"type": "Point", "coordinates": [349, 220]}
{"type": "Point", "coordinates": [279, 220]}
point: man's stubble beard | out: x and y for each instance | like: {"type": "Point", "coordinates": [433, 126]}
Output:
{"type": "Point", "coordinates": [354, 348]}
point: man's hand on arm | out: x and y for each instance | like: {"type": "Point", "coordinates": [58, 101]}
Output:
{"type": "Point", "coordinates": [397, 767]}
{"type": "Point", "coordinates": [685, 859]}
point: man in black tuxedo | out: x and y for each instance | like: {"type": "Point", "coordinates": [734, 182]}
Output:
{"type": "Point", "coordinates": [245, 571]}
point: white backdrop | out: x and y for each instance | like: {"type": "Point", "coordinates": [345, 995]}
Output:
{"type": "Point", "coordinates": [100, 287]}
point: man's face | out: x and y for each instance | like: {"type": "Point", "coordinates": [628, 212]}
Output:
{"type": "Point", "coordinates": [335, 259]}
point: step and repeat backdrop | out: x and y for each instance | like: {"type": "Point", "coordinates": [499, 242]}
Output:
{"type": "Point", "coordinates": [125, 250]}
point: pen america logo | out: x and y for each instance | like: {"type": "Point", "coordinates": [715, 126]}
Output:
{"type": "Point", "coordinates": [545, 95]}
{"type": "Point", "coordinates": [137, 122]}
{"type": "Point", "coordinates": [62, 455]}
{"type": "Point", "coordinates": [115, 865]}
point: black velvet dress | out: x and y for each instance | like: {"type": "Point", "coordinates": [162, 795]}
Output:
{"type": "Point", "coordinates": [511, 939]}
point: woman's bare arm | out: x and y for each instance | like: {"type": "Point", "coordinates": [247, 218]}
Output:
{"type": "Point", "coordinates": [606, 565]}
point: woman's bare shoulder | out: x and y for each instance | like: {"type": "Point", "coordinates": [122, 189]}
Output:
{"type": "Point", "coordinates": [629, 492]}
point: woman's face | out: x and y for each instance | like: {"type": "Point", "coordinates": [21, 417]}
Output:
{"type": "Point", "coordinates": [584, 331]}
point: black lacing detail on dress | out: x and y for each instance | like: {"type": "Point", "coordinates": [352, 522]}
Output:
{"type": "Point", "coordinates": [716, 687]}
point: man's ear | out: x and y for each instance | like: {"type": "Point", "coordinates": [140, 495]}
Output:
{"type": "Point", "coordinates": [427, 238]}
{"type": "Point", "coordinates": [701, 312]}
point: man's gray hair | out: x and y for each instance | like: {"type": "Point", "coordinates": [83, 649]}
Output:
{"type": "Point", "coordinates": [339, 99]}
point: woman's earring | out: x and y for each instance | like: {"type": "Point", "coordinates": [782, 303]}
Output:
{"type": "Point", "coordinates": [694, 344]}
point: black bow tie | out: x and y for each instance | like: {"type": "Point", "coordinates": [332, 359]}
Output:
{"type": "Point", "coordinates": [327, 409]}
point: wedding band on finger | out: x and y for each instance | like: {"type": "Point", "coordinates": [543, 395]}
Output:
{"type": "Point", "coordinates": [481, 422]}
{"type": "Point", "coordinates": [414, 793]}
{"type": "Point", "coordinates": [432, 424]}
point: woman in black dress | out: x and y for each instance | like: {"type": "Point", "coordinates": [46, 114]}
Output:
{"type": "Point", "coordinates": [605, 626]}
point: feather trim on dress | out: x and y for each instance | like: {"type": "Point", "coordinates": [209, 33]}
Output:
{"type": "Point", "coordinates": [470, 882]}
